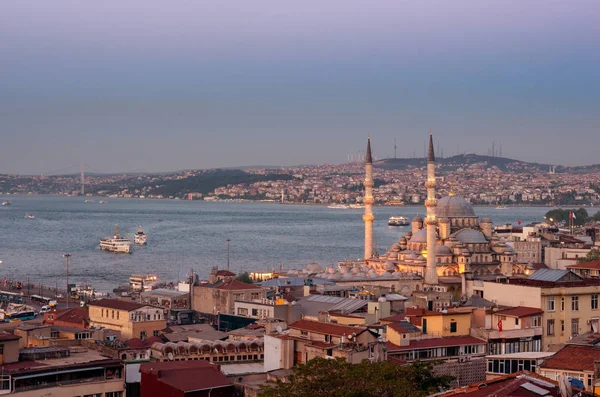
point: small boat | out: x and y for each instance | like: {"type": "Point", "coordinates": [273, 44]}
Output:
{"type": "Point", "coordinates": [398, 221]}
{"type": "Point", "coordinates": [102, 202]}
{"type": "Point", "coordinates": [145, 282]}
{"type": "Point", "coordinates": [29, 215]}
{"type": "Point", "coordinates": [356, 206]}
{"type": "Point", "coordinates": [6, 202]}
{"type": "Point", "coordinates": [500, 207]}
{"type": "Point", "coordinates": [116, 243]}
{"type": "Point", "coordinates": [339, 206]}
{"type": "Point", "coordinates": [140, 237]}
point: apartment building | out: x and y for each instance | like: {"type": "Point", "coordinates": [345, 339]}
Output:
{"type": "Point", "coordinates": [132, 319]}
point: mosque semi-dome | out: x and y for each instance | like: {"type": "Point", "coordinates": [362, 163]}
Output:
{"type": "Point", "coordinates": [454, 207]}
{"type": "Point", "coordinates": [470, 236]}
{"type": "Point", "coordinates": [419, 237]}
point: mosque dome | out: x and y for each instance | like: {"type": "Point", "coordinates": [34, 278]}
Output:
{"type": "Point", "coordinates": [419, 237]}
{"type": "Point", "coordinates": [395, 247]}
{"type": "Point", "coordinates": [453, 207]}
{"type": "Point", "coordinates": [417, 219]}
{"type": "Point", "coordinates": [389, 266]}
{"type": "Point", "coordinates": [442, 250]}
{"type": "Point", "coordinates": [314, 268]}
{"type": "Point", "coordinates": [485, 220]}
{"type": "Point", "coordinates": [470, 236]}
{"type": "Point", "coordinates": [444, 220]}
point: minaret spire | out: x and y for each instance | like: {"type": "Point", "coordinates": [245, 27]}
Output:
{"type": "Point", "coordinates": [368, 216]}
{"type": "Point", "coordinates": [431, 277]}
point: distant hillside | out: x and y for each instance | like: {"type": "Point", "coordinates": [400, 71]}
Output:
{"type": "Point", "coordinates": [454, 162]}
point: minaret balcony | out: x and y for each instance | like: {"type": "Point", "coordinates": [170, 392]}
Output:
{"type": "Point", "coordinates": [368, 200]}
{"type": "Point", "coordinates": [368, 183]}
{"type": "Point", "coordinates": [431, 203]}
{"type": "Point", "coordinates": [430, 184]}
{"type": "Point", "coordinates": [430, 222]}
{"type": "Point", "coordinates": [368, 217]}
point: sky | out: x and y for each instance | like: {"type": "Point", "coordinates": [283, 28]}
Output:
{"type": "Point", "coordinates": [157, 85]}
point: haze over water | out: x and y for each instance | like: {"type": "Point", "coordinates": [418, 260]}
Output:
{"type": "Point", "coordinates": [189, 234]}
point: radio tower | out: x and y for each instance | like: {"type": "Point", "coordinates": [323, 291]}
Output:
{"type": "Point", "coordinates": [82, 179]}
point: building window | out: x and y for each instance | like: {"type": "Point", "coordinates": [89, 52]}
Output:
{"type": "Point", "coordinates": [550, 328]}
{"type": "Point", "coordinates": [113, 314]}
{"type": "Point", "coordinates": [562, 304]}
{"type": "Point", "coordinates": [594, 302]}
{"type": "Point", "coordinates": [575, 326]}
{"type": "Point", "coordinates": [143, 335]}
{"type": "Point", "coordinates": [516, 320]}
{"type": "Point", "coordinates": [562, 326]}
{"type": "Point", "coordinates": [242, 311]}
{"type": "Point", "coordinates": [536, 321]}
{"type": "Point", "coordinates": [155, 332]}
{"type": "Point", "coordinates": [575, 303]}
{"type": "Point", "coordinates": [453, 326]}
{"type": "Point", "coordinates": [304, 333]}
{"type": "Point", "coordinates": [117, 315]}
{"type": "Point", "coordinates": [550, 303]}
{"type": "Point", "coordinates": [255, 312]}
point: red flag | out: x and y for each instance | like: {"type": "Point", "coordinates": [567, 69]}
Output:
{"type": "Point", "coordinates": [499, 325]}
{"type": "Point", "coordinates": [519, 222]}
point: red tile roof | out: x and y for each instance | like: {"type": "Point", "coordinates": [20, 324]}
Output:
{"type": "Point", "coordinates": [437, 342]}
{"type": "Point", "coordinates": [595, 265]}
{"type": "Point", "coordinates": [519, 311]}
{"type": "Point", "coordinates": [404, 327]}
{"type": "Point", "coordinates": [117, 304]}
{"type": "Point", "coordinates": [6, 336]}
{"type": "Point", "coordinates": [226, 273]}
{"type": "Point", "coordinates": [326, 328]}
{"type": "Point", "coordinates": [395, 318]}
{"type": "Point", "coordinates": [574, 358]}
{"type": "Point", "coordinates": [237, 285]}
{"type": "Point", "coordinates": [75, 315]}
{"type": "Point", "coordinates": [419, 312]}
{"type": "Point", "coordinates": [187, 376]}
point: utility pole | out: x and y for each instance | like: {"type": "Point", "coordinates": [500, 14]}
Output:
{"type": "Point", "coordinates": [68, 294]}
{"type": "Point", "coordinates": [228, 240]}
{"type": "Point", "coordinates": [394, 147]}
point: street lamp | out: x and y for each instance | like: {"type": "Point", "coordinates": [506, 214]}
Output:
{"type": "Point", "coordinates": [67, 256]}
{"type": "Point", "coordinates": [228, 240]}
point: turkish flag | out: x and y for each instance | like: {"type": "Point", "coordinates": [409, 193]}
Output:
{"type": "Point", "coordinates": [519, 222]}
{"type": "Point", "coordinates": [499, 325]}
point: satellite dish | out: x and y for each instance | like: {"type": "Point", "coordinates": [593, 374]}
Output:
{"type": "Point", "coordinates": [278, 328]}
{"type": "Point", "coordinates": [170, 356]}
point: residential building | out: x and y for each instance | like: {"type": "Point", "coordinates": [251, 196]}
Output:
{"type": "Point", "coordinates": [575, 361]}
{"type": "Point", "coordinates": [184, 379]}
{"type": "Point", "coordinates": [586, 269]}
{"type": "Point", "coordinates": [309, 339]}
{"type": "Point", "coordinates": [266, 308]}
{"type": "Point", "coordinates": [570, 304]}
{"type": "Point", "coordinates": [9, 348]}
{"type": "Point", "coordinates": [132, 320]}
{"type": "Point", "coordinates": [512, 330]}
{"type": "Point", "coordinates": [58, 371]}
{"type": "Point", "coordinates": [211, 351]}
{"type": "Point", "coordinates": [459, 348]}
{"type": "Point", "coordinates": [220, 297]}
{"type": "Point", "coordinates": [504, 364]}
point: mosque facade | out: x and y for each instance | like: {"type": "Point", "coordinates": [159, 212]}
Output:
{"type": "Point", "coordinates": [451, 241]}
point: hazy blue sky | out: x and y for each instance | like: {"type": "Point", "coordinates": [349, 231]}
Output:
{"type": "Point", "coordinates": [132, 85]}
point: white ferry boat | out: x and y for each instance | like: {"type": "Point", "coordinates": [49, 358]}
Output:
{"type": "Point", "coordinates": [339, 206]}
{"type": "Point", "coordinates": [398, 221]}
{"type": "Point", "coordinates": [145, 281]}
{"type": "Point", "coordinates": [6, 202]}
{"type": "Point", "coordinates": [140, 237]}
{"type": "Point", "coordinates": [116, 243]}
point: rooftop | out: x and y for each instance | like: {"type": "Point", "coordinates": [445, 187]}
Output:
{"type": "Point", "coordinates": [404, 327]}
{"type": "Point", "coordinates": [522, 355]}
{"type": "Point", "coordinates": [519, 311]}
{"type": "Point", "coordinates": [187, 376]}
{"type": "Point", "coordinates": [236, 285]}
{"type": "Point", "coordinates": [326, 328]}
{"type": "Point", "coordinates": [437, 342]}
{"type": "Point", "coordinates": [163, 292]}
{"type": "Point", "coordinates": [574, 358]}
{"type": "Point", "coordinates": [594, 265]}
{"type": "Point", "coordinates": [117, 304]}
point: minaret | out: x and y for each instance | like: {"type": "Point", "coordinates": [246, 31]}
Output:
{"type": "Point", "coordinates": [431, 277]}
{"type": "Point", "coordinates": [368, 216]}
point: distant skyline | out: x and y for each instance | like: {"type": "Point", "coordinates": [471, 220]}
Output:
{"type": "Point", "coordinates": [151, 86]}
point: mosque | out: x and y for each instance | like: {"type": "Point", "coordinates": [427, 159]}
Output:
{"type": "Point", "coordinates": [450, 241]}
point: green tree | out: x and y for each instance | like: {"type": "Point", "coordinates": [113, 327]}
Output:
{"type": "Point", "coordinates": [245, 278]}
{"type": "Point", "coordinates": [593, 255]}
{"type": "Point", "coordinates": [337, 378]}
{"type": "Point", "coordinates": [560, 215]}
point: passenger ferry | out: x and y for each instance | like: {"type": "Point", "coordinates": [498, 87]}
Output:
{"type": "Point", "coordinates": [398, 221]}
{"type": "Point", "coordinates": [116, 244]}
{"type": "Point", "coordinates": [145, 281]}
{"type": "Point", "coordinates": [140, 237]}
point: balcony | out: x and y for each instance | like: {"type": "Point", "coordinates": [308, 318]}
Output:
{"type": "Point", "coordinates": [514, 333]}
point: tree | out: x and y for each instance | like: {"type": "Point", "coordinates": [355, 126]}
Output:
{"type": "Point", "coordinates": [560, 215]}
{"type": "Point", "coordinates": [245, 278]}
{"type": "Point", "coordinates": [593, 255]}
{"type": "Point", "coordinates": [337, 378]}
